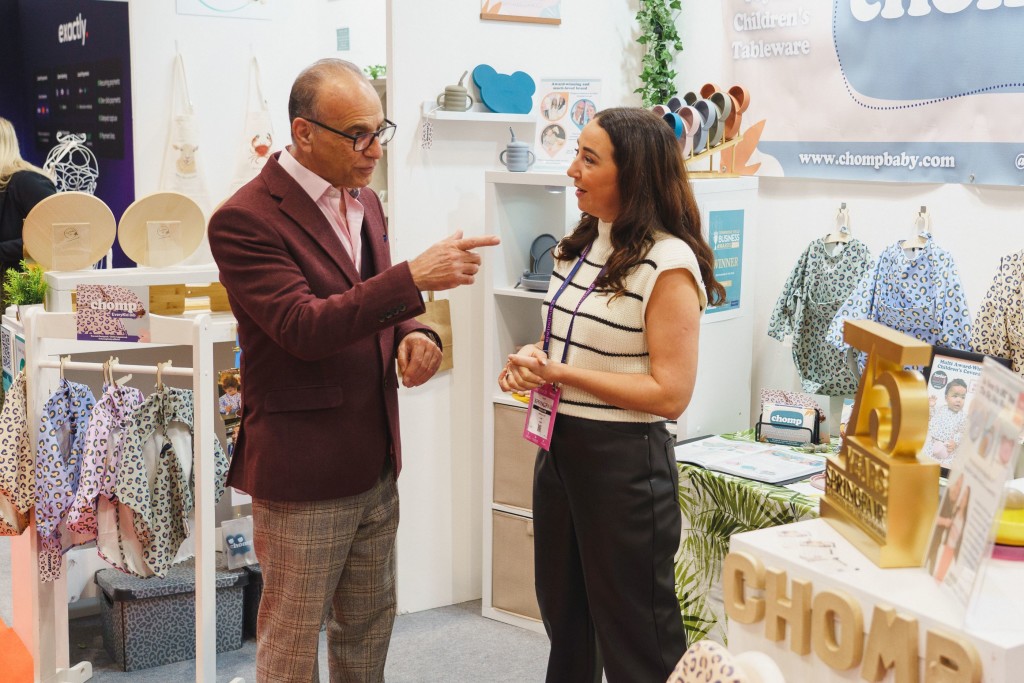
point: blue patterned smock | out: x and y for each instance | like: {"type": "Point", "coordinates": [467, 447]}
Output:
{"type": "Point", "coordinates": [814, 291]}
{"type": "Point", "coordinates": [919, 295]}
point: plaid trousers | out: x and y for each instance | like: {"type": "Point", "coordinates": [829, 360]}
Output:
{"type": "Point", "coordinates": [333, 558]}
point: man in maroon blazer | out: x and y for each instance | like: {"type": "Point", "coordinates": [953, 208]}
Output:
{"type": "Point", "coordinates": [322, 316]}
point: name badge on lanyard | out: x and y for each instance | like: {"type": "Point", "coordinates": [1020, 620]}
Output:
{"type": "Point", "coordinates": [540, 414]}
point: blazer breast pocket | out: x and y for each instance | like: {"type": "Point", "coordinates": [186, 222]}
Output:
{"type": "Point", "coordinates": [303, 398]}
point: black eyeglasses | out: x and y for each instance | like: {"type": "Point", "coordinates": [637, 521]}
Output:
{"type": "Point", "coordinates": [362, 141]}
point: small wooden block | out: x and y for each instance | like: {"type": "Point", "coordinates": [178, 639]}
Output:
{"type": "Point", "coordinates": [176, 299]}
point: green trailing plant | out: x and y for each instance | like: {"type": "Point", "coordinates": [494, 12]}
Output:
{"type": "Point", "coordinates": [26, 286]}
{"type": "Point", "coordinates": [376, 71]}
{"type": "Point", "coordinates": [657, 19]}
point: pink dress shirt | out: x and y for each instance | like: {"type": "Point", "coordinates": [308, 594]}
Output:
{"type": "Point", "coordinates": [347, 224]}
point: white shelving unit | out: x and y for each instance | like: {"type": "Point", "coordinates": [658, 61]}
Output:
{"type": "Point", "coordinates": [478, 112]}
{"type": "Point", "coordinates": [519, 207]}
{"type": "Point", "coordinates": [40, 609]}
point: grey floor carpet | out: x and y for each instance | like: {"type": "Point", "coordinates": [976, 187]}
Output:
{"type": "Point", "coordinates": [446, 645]}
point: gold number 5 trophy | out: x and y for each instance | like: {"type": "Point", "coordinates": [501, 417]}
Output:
{"type": "Point", "coordinates": [877, 493]}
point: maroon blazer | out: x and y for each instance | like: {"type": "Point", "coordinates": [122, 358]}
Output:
{"type": "Point", "coordinates": [319, 387]}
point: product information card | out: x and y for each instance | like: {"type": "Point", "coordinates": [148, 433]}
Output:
{"type": "Point", "coordinates": [962, 536]}
{"type": "Point", "coordinates": [566, 106]}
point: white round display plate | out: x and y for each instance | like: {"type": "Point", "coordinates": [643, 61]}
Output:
{"type": "Point", "coordinates": [168, 217]}
{"type": "Point", "coordinates": [69, 231]}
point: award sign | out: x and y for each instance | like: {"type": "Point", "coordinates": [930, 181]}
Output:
{"type": "Point", "coordinates": [877, 493]}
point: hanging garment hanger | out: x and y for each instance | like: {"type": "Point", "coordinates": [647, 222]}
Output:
{"type": "Point", "coordinates": [922, 230]}
{"type": "Point", "coordinates": [63, 360]}
{"type": "Point", "coordinates": [841, 233]}
{"type": "Point", "coordinates": [160, 374]}
{"type": "Point", "coordinates": [109, 367]}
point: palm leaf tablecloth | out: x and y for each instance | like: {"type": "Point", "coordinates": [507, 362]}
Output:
{"type": "Point", "coordinates": [715, 506]}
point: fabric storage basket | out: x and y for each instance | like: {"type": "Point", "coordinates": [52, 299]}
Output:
{"type": "Point", "coordinates": [514, 458]}
{"type": "Point", "coordinates": [512, 586]}
{"type": "Point", "coordinates": [152, 622]}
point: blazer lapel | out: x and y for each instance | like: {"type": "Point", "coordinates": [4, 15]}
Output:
{"type": "Point", "coordinates": [303, 211]}
{"type": "Point", "coordinates": [376, 230]}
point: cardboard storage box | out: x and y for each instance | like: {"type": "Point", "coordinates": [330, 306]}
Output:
{"type": "Point", "coordinates": [512, 587]}
{"type": "Point", "coordinates": [152, 622]}
{"type": "Point", "coordinates": [514, 458]}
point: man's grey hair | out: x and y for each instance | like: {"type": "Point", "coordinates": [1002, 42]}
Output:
{"type": "Point", "coordinates": [303, 100]}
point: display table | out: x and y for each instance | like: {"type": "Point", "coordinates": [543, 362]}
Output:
{"type": "Point", "coordinates": [812, 551]}
{"type": "Point", "coordinates": [715, 506]}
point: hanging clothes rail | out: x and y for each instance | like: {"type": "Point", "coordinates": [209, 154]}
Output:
{"type": "Point", "coordinates": [40, 609]}
{"type": "Point", "coordinates": [118, 367]}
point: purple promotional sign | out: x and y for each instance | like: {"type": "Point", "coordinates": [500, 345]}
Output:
{"type": "Point", "coordinates": [72, 73]}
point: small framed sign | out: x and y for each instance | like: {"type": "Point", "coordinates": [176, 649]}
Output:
{"type": "Point", "coordinates": [529, 11]}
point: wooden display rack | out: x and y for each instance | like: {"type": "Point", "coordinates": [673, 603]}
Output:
{"type": "Point", "coordinates": [709, 154]}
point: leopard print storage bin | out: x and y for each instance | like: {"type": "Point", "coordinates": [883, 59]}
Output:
{"type": "Point", "coordinates": [152, 622]}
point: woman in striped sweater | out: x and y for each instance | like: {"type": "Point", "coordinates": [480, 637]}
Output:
{"type": "Point", "coordinates": [617, 358]}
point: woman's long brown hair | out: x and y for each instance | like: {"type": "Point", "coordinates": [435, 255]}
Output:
{"type": "Point", "coordinates": [655, 194]}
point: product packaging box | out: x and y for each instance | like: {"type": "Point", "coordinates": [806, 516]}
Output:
{"type": "Point", "coordinates": [787, 425]}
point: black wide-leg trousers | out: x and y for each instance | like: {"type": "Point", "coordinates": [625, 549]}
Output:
{"type": "Point", "coordinates": [606, 529]}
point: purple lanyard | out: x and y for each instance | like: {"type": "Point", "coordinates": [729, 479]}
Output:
{"type": "Point", "coordinates": [572, 320]}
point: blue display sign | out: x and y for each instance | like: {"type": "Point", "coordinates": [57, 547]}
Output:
{"type": "Point", "coordinates": [725, 233]}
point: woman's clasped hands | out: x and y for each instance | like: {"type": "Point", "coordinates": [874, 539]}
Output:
{"type": "Point", "coordinates": [526, 369]}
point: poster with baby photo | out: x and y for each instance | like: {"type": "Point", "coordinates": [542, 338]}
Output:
{"type": "Point", "coordinates": [962, 535]}
{"type": "Point", "coordinates": [566, 106]}
{"type": "Point", "coordinates": [952, 378]}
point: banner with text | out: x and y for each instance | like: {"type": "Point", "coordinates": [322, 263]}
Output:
{"type": "Point", "coordinates": [890, 90]}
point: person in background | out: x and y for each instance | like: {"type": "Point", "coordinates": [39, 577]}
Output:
{"type": "Point", "coordinates": [322, 316]}
{"type": "Point", "coordinates": [22, 186]}
{"type": "Point", "coordinates": [552, 139]}
{"type": "Point", "coordinates": [231, 400]}
{"type": "Point", "coordinates": [621, 328]}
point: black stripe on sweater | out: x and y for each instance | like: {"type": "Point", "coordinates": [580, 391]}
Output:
{"type": "Point", "coordinates": [598, 319]}
{"type": "Point", "coordinates": [599, 352]}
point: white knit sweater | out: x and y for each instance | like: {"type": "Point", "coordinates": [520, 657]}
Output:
{"type": "Point", "coordinates": [610, 335]}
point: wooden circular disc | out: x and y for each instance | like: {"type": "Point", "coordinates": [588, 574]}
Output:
{"type": "Point", "coordinates": [72, 210]}
{"type": "Point", "coordinates": [180, 212]}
